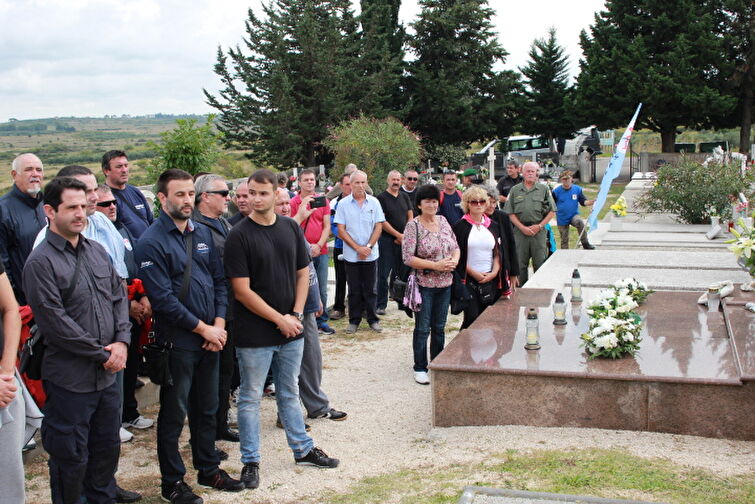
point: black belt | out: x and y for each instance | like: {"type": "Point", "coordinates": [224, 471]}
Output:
{"type": "Point", "coordinates": [531, 224]}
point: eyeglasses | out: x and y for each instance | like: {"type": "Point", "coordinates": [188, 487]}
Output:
{"type": "Point", "coordinates": [413, 179]}
{"type": "Point", "coordinates": [105, 204]}
{"type": "Point", "coordinates": [224, 193]}
{"type": "Point", "coordinates": [478, 202]}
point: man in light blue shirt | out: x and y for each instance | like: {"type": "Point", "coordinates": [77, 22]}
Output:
{"type": "Point", "coordinates": [359, 218]}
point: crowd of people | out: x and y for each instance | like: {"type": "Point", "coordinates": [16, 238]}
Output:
{"type": "Point", "coordinates": [237, 302]}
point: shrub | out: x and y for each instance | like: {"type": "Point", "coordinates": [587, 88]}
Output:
{"type": "Point", "coordinates": [376, 146]}
{"type": "Point", "coordinates": [693, 192]}
{"type": "Point", "coordinates": [188, 147]}
{"type": "Point", "coordinates": [447, 156]}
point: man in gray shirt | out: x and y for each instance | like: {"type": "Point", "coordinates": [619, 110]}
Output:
{"type": "Point", "coordinates": [84, 319]}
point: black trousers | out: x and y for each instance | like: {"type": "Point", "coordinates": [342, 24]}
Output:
{"type": "Point", "coordinates": [194, 392]}
{"type": "Point", "coordinates": [130, 374]}
{"type": "Point", "coordinates": [362, 278]}
{"type": "Point", "coordinates": [228, 369]}
{"type": "Point", "coordinates": [476, 306]}
{"type": "Point", "coordinates": [80, 433]}
{"type": "Point", "coordinates": [339, 303]}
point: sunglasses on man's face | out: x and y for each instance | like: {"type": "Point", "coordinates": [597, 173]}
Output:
{"type": "Point", "coordinates": [413, 179]}
{"type": "Point", "coordinates": [105, 204]}
{"type": "Point", "coordinates": [224, 193]}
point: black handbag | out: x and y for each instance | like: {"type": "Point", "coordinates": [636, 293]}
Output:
{"type": "Point", "coordinates": [485, 292]}
{"type": "Point", "coordinates": [461, 295]}
{"type": "Point", "coordinates": [401, 280]}
{"type": "Point", "coordinates": [33, 350]}
{"type": "Point", "coordinates": [157, 353]}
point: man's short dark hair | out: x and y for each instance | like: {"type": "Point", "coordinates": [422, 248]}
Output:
{"type": "Point", "coordinates": [512, 161]}
{"type": "Point", "coordinates": [307, 171]}
{"type": "Point", "coordinates": [450, 172]}
{"type": "Point", "coordinates": [168, 175]}
{"type": "Point", "coordinates": [427, 191]}
{"type": "Point", "coordinates": [73, 170]}
{"type": "Point", "coordinates": [53, 193]}
{"type": "Point", "coordinates": [263, 177]}
{"type": "Point", "coordinates": [344, 176]}
{"type": "Point", "coordinates": [109, 156]}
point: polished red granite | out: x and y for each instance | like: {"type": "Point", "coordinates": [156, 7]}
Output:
{"type": "Point", "coordinates": [688, 377]}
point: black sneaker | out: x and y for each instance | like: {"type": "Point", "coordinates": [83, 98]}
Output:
{"type": "Point", "coordinates": [250, 475]}
{"type": "Point", "coordinates": [180, 493]}
{"type": "Point", "coordinates": [316, 457]}
{"type": "Point", "coordinates": [332, 414]}
{"type": "Point", "coordinates": [220, 481]}
{"type": "Point", "coordinates": [124, 496]}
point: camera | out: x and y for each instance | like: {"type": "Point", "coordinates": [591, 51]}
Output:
{"type": "Point", "coordinates": [317, 202]}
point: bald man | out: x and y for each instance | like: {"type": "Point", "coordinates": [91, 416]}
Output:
{"type": "Point", "coordinates": [21, 218]}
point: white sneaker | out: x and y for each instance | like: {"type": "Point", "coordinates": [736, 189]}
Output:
{"type": "Point", "coordinates": [139, 423]}
{"type": "Point", "coordinates": [126, 436]}
{"type": "Point", "coordinates": [421, 377]}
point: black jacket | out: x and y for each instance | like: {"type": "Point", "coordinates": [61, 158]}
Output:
{"type": "Point", "coordinates": [21, 218]}
{"type": "Point", "coordinates": [503, 233]}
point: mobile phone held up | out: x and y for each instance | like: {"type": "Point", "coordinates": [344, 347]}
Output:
{"type": "Point", "coordinates": [317, 202]}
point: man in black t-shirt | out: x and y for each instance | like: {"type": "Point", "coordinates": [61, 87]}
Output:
{"type": "Point", "coordinates": [266, 260]}
{"type": "Point", "coordinates": [505, 183]}
{"type": "Point", "coordinates": [397, 208]}
{"type": "Point", "coordinates": [409, 187]}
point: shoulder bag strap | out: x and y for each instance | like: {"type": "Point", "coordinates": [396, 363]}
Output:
{"type": "Point", "coordinates": [188, 242]}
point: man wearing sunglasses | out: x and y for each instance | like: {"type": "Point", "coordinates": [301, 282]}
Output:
{"type": "Point", "coordinates": [409, 187]}
{"type": "Point", "coordinates": [211, 203]}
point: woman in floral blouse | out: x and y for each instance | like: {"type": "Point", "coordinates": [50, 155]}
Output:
{"type": "Point", "coordinates": [430, 248]}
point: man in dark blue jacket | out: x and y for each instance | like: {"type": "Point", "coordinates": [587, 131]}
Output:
{"type": "Point", "coordinates": [133, 210]}
{"type": "Point", "coordinates": [189, 312]}
{"type": "Point", "coordinates": [21, 218]}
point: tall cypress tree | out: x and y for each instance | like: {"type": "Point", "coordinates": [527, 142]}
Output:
{"type": "Point", "coordinates": [381, 58]}
{"type": "Point", "coordinates": [453, 94]}
{"type": "Point", "coordinates": [664, 54]}
{"type": "Point", "coordinates": [290, 81]}
{"type": "Point", "coordinates": [546, 90]}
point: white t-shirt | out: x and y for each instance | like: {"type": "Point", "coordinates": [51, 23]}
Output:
{"type": "Point", "coordinates": [480, 249]}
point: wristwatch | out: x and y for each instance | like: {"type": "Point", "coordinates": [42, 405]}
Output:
{"type": "Point", "coordinates": [298, 316]}
{"type": "Point", "coordinates": [370, 245]}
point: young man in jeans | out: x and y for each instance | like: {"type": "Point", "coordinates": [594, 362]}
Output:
{"type": "Point", "coordinates": [266, 260]}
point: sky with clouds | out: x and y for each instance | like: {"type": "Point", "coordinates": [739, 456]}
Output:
{"type": "Point", "coordinates": [97, 57]}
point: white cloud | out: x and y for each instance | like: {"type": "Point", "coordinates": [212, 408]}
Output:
{"type": "Point", "coordinates": [95, 57]}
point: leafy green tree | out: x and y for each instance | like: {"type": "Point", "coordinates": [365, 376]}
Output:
{"type": "Point", "coordinates": [663, 54]}
{"type": "Point", "coordinates": [377, 90]}
{"type": "Point", "coordinates": [292, 79]}
{"type": "Point", "coordinates": [453, 94]}
{"type": "Point", "coordinates": [190, 147]}
{"type": "Point", "coordinates": [376, 146]}
{"type": "Point", "coordinates": [546, 84]}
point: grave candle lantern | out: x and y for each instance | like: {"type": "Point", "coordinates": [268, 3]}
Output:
{"type": "Point", "coordinates": [559, 310]}
{"type": "Point", "coordinates": [576, 287]}
{"type": "Point", "coordinates": [533, 331]}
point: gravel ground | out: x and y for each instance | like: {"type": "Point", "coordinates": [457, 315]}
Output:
{"type": "Point", "coordinates": [389, 428]}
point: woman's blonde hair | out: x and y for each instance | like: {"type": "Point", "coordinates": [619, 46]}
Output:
{"type": "Point", "coordinates": [473, 192]}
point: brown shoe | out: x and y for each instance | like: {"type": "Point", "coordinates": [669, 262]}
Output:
{"type": "Point", "coordinates": [336, 314]}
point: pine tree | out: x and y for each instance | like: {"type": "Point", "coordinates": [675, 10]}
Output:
{"type": "Point", "coordinates": [663, 54]}
{"type": "Point", "coordinates": [291, 80]}
{"type": "Point", "coordinates": [453, 94]}
{"type": "Point", "coordinates": [547, 90]}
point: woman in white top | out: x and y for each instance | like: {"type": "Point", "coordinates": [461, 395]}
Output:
{"type": "Point", "coordinates": [479, 264]}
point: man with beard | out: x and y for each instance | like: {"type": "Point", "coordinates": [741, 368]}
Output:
{"type": "Point", "coordinates": [21, 218]}
{"type": "Point", "coordinates": [397, 208]}
{"type": "Point", "coordinates": [184, 279]}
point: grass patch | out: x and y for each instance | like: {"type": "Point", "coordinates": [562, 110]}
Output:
{"type": "Point", "coordinates": [602, 473]}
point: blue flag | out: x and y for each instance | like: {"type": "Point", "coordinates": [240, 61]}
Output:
{"type": "Point", "coordinates": [614, 168]}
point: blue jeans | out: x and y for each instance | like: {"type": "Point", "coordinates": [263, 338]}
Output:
{"type": "Point", "coordinates": [430, 321]}
{"type": "Point", "coordinates": [321, 267]}
{"type": "Point", "coordinates": [194, 392]}
{"type": "Point", "coordinates": [253, 365]}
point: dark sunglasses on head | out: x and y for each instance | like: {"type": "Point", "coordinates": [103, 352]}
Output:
{"type": "Point", "coordinates": [223, 192]}
{"type": "Point", "coordinates": [105, 204]}
{"type": "Point", "coordinates": [478, 202]}
{"type": "Point", "coordinates": [413, 179]}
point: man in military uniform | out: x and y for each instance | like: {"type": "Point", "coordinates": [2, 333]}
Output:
{"type": "Point", "coordinates": [530, 207]}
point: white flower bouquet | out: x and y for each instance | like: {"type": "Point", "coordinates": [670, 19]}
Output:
{"type": "Point", "coordinates": [634, 288]}
{"type": "Point", "coordinates": [614, 328]}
